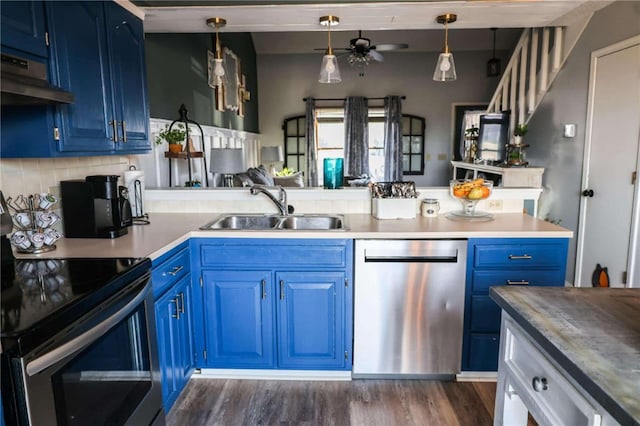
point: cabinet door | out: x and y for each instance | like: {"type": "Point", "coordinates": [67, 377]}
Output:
{"type": "Point", "coordinates": [184, 332]}
{"type": "Point", "coordinates": [166, 310]}
{"type": "Point", "coordinates": [238, 319]}
{"type": "Point", "coordinates": [128, 68]}
{"type": "Point", "coordinates": [311, 319]}
{"type": "Point", "coordinates": [23, 26]}
{"type": "Point", "coordinates": [80, 56]}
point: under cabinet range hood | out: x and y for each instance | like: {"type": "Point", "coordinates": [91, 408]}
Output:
{"type": "Point", "coordinates": [24, 82]}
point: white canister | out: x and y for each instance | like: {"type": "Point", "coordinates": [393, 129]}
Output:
{"type": "Point", "coordinates": [430, 207]}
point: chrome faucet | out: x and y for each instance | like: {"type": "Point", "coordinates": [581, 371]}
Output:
{"type": "Point", "coordinates": [281, 203]}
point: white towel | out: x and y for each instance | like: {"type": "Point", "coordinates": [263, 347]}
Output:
{"type": "Point", "coordinates": [136, 191]}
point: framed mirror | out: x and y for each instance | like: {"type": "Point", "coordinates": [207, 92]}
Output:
{"type": "Point", "coordinates": [232, 80]}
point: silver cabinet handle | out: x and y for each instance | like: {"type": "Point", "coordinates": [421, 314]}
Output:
{"type": "Point", "coordinates": [281, 289]}
{"type": "Point", "coordinates": [177, 314]}
{"type": "Point", "coordinates": [264, 288]}
{"type": "Point", "coordinates": [114, 124]}
{"type": "Point", "coordinates": [86, 338]}
{"type": "Point", "coordinates": [539, 384]}
{"type": "Point", "coordinates": [521, 282]}
{"type": "Point", "coordinates": [520, 257]}
{"type": "Point", "coordinates": [182, 302]}
{"type": "Point", "coordinates": [175, 270]}
{"type": "Point", "coordinates": [124, 132]}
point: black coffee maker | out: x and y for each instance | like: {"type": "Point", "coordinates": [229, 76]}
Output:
{"type": "Point", "coordinates": [95, 207]}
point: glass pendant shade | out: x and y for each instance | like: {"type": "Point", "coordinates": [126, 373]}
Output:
{"type": "Point", "coordinates": [445, 68]}
{"type": "Point", "coordinates": [329, 71]}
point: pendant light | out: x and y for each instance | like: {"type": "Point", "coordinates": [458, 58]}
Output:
{"type": "Point", "coordinates": [329, 71]}
{"type": "Point", "coordinates": [493, 64]}
{"type": "Point", "coordinates": [445, 68]}
{"type": "Point", "coordinates": [218, 68]}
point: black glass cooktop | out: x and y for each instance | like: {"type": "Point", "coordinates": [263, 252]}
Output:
{"type": "Point", "coordinates": [40, 296]}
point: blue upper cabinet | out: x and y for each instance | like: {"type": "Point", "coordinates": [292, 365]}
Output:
{"type": "Point", "coordinates": [129, 79]}
{"type": "Point", "coordinates": [97, 53]}
{"type": "Point", "coordinates": [23, 27]}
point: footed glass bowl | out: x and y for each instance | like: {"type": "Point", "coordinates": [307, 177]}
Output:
{"type": "Point", "coordinates": [470, 192]}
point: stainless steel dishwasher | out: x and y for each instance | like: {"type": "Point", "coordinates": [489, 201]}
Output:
{"type": "Point", "coordinates": [409, 303]}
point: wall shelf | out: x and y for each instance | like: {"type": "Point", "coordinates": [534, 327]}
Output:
{"type": "Point", "coordinates": [512, 177]}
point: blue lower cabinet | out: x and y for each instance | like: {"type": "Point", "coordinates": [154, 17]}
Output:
{"type": "Point", "coordinates": [310, 320]}
{"type": "Point", "coordinates": [272, 307]}
{"type": "Point", "coordinates": [499, 262]}
{"type": "Point", "coordinates": [174, 328]}
{"type": "Point", "coordinates": [239, 319]}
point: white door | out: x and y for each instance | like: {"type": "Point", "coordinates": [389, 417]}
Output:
{"type": "Point", "coordinates": [608, 231]}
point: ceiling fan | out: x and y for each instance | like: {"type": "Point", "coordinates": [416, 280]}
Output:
{"type": "Point", "coordinates": [361, 51]}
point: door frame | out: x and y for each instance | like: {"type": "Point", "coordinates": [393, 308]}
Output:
{"type": "Point", "coordinates": [632, 259]}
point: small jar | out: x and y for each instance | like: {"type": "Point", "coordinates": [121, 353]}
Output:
{"type": "Point", "coordinates": [430, 207]}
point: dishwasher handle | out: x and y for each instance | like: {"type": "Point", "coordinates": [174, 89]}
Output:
{"type": "Point", "coordinates": [411, 259]}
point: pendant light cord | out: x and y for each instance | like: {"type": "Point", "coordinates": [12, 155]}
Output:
{"type": "Point", "coordinates": [494, 41]}
{"type": "Point", "coordinates": [446, 36]}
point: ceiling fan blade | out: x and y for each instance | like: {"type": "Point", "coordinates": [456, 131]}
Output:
{"type": "Point", "coordinates": [376, 56]}
{"type": "Point", "coordinates": [390, 46]}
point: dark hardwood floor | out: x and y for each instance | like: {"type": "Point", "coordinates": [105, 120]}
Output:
{"type": "Point", "coordinates": [358, 402]}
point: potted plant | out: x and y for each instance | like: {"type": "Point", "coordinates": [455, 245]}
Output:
{"type": "Point", "coordinates": [174, 137]}
{"type": "Point", "coordinates": [518, 133]}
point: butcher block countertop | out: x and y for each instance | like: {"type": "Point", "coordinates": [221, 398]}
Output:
{"type": "Point", "coordinates": [592, 333]}
{"type": "Point", "coordinates": [167, 230]}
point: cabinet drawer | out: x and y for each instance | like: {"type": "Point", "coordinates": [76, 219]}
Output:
{"type": "Point", "coordinates": [482, 280]}
{"type": "Point", "coordinates": [169, 271]}
{"type": "Point", "coordinates": [278, 253]}
{"type": "Point", "coordinates": [556, 402]}
{"type": "Point", "coordinates": [484, 351]}
{"type": "Point", "coordinates": [543, 254]}
{"type": "Point", "coordinates": [485, 314]}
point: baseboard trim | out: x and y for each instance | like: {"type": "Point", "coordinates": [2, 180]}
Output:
{"type": "Point", "coordinates": [477, 376]}
{"type": "Point", "coordinates": [313, 375]}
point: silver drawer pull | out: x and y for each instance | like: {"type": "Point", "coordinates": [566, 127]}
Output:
{"type": "Point", "coordinates": [175, 270]}
{"type": "Point", "coordinates": [539, 384]}
{"type": "Point", "coordinates": [177, 302]}
{"type": "Point", "coordinates": [520, 257]}
{"type": "Point", "coordinates": [521, 282]}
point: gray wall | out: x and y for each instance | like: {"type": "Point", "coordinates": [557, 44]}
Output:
{"type": "Point", "coordinates": [565, 103]}
{"type": "Point", "coordinates": [285, 79]}
{"type": "Point", "coordinates": [177, 74]}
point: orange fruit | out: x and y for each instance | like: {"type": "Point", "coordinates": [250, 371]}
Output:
{"type": "Point", "coordinates": [485, 192]}
{"type": "Point", "coordinates": [459, 192]}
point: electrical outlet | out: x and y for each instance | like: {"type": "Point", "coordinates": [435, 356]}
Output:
{"type": "Point", "coordinates": [495, 205]}
{"type": "Point", "coordinates": [442, 157]}
{"type": "Point", "coordinates": [428, 157]}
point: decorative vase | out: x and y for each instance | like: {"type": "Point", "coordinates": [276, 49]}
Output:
{"type": "Point", "coordinates": [175, 148]}
{"type": "Point", "coordinates": [517, 140]}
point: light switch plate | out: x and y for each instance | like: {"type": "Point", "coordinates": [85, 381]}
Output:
{"type": "Point", "coordinates": [569, 131]}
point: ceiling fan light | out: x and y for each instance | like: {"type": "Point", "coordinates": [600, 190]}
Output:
{"type": "Point", "coordinates": [329, 70]}
{"type": "Point", "coordinates": [445, 68]}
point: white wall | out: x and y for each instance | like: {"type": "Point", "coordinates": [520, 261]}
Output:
{"type": "Point", "coordinates": [283, 81]}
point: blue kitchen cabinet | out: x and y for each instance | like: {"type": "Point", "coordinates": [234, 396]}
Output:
{"type": "Point", "coordinates": [495, 262]}
{"type": "Point", "coordinates": [311, 331]}
{"type": "Point", "coordinates": [172, 289]}
{"type": "Point", "coordinates": [97, 53]}
{"type": "Point", "coordinates": [274, 303]}
{"type": "Point", "coordinates": [239, 314]}
{"type": "Point", "coordinates": [23, 27]}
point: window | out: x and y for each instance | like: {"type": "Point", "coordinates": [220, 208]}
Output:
{"type": "Point", "coordinates": [330, 141]}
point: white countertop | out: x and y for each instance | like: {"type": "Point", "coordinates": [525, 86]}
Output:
{"type": "Point", "coordinates": [167, 230]}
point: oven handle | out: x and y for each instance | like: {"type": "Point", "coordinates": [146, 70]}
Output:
{"type": "Point", "coordinates": [85, 339]}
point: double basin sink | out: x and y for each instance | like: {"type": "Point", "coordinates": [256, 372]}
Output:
{"type": "Point", "coordinates": [256, 222]}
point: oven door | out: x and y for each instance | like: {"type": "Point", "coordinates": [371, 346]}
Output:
{"type": "Point", "coordinates": [103, 370]}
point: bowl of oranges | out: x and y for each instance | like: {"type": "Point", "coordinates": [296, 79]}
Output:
{"type": "Point", "coordinates": [469, 192]}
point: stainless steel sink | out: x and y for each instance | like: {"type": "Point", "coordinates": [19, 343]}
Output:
{"type": "Point", "coordinates": [277, 222]}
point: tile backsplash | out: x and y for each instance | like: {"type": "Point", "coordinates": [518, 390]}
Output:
{"type": "Point", "coordinates": [36, 175]}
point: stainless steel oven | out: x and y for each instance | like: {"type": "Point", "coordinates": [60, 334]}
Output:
{"type": "Point", "coordinates": [99, 369]}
